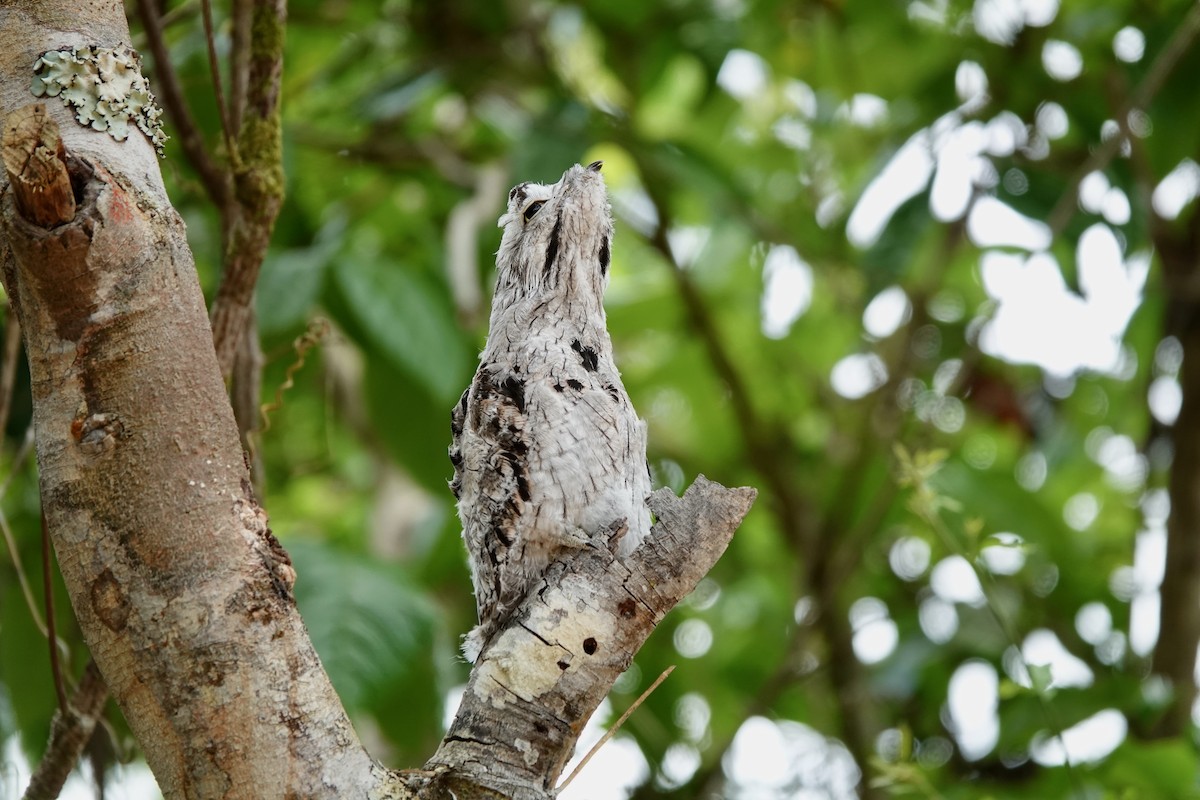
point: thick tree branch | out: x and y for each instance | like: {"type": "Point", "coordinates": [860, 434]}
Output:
{"type": "Point", "coordinates": [537, 684]}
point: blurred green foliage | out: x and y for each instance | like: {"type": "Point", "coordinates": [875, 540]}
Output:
{"type": "Point", "coordinates": [396, 114]}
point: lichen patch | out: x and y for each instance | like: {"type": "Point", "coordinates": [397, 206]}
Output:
{"type": "Point", "coordinates": [105, 89]}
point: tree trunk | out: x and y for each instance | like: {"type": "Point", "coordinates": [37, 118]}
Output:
{"type": "Point", "coordinates": [182, 592]}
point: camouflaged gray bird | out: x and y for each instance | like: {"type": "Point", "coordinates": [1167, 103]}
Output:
{"type": "Point", "coordinates": [548, 451]}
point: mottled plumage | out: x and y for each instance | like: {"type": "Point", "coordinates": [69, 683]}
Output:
{"type": "Point", "coordinates": [548, 451]}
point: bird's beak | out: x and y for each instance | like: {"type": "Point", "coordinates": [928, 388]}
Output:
{"type": "Point", "coordinates": [595, 166]}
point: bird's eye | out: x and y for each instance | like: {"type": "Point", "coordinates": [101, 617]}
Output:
{"type": "Point", "coordinates": [532, 209]}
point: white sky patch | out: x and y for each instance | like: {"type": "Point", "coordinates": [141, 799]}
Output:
{"type": "Point", "coordinates": [1124, 467]}
{"type": "Point", "coordinates": [450, 705]}
{"type": "Point", "coordinates": [1150, 557]}
{"type": "Point", "coordinates": [1039, 13]}
{"type": "Point", "coordinates": [768, 757]}
{"type": "Point", "coordinates": [875, 634]}
{"type": "Point", "coordinates": [958, 167]}
{"type": "Point", "coordinates": [931, 11]}
{"type": "Point", "coordinates": [693, 638]}
{"type": "Point", "coordinates": [886, 312]}
{"type": "Point", "coordinates": [1093, 622]}
{"type": "Point", "coordinates": [1092, 190]}
{"type": "Point", "coordinates": [905, 175]}
{"type": "Point", "coordinates": [687, 242]}
{"type": "Point", "coordinates": [1006, 556]}
{"type": "Point", "coordinates": [1149, 566]}
{"type": "Point", "coordinates": [864, 110]}
{"type": "Point", "coordinates": [1091, 740]}
{"type": "Point", "coordinates": [1062, 60]}
{"type": "Point", "coordinates": [636, 208]}
{"type": "Point", "coordinates": [1129, 44]}
{"type": "Point", "coordinates": [1031, 471]}
{"type": "Point", "coordinates": [802, 96]}
{"type": "Point", "coordinates": [1081, 510]}
{"type": "Point", "coordinates": [1051, 119]}
{"type": "Point", "coordinates": [1005, 133]}
{"type": "Point", "coordinates": [679, 764]}
{"type": "Point", "coordinates": [1000, 21]}
{"type": "Point", "coordinates": [1176, 190]}
{"type": "Point", "coordinates": [971, 85]}
{"type": "Point", "coordinates": [954, 580]}
{"type": "Point", "coordinates": [972, 699]}
{"type": "Point", "coordinates": [1115, 207]}
{"type": "Point", "coordinates": [1114, 287]}
{"type": "Point", "coordinates": [787, 290]}
{"type": "Point", "coordinates": [693, 715]}
{"type": "Point", "coordinates": [1039, 321]}
{"type": "Point", "coordinates": [1042, 647]}
{"type": "Point", "coordinates": [1165, 398]}
{"type": "Point", "coordinates": [616, 769]}
{"type": "Point", "coordinates": [743, 74]}
{"type": "Point", "coordinates": [1144, 612]}
{"type": "Point", "coordinates": [793, 132]}
{"type": "Point", "coordinates": [993, 223]}
{"type": "Point", "coordinates": [830, 208]}
{"type": "Point", "coordinates": [125, 781]}
{"type": "Point", "coordinates": [909, 557]}
{"type": "Point", "coordinates": [858, 375]}
{"type": "Point", "coordinates": [938, 618]}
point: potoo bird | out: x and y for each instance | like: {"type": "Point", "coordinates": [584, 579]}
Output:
{"type": "Point", "coordinates": [549, 455]}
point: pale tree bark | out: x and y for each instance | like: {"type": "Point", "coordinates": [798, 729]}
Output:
{"type": "Point", "coordinates": [181, 590]}
{"type": "Point", "coordinates": [534, 689]}
{"type": "Point", "coordinates": [178, 585]}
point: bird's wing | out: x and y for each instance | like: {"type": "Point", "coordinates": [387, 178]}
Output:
{"type": "Point", "coordinates": [493, 483]}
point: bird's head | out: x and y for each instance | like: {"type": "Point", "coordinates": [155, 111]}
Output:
{"type": "Point", "coordinates": [557, 238]}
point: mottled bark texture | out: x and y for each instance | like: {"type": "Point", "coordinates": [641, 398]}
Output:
{"type": "Point", "coordinates": [544, 674]}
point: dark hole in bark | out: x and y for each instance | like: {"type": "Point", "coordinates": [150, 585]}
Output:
{"type": "Point", "coordinates": [589, 645]}
{"type": "Point", "coordinates": [563, 665]}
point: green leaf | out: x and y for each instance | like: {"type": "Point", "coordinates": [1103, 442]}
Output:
{"type": "Point", "coordinates": [1041, 676]}
{"type": "Point", "coordinates": [1154, 769]}
{"type": "Point", "coordinates": [408, 321]}
{"type": "Point", "coordinates": [292, 280]}
{"type": "Point", "coordinates": [372, 628]}
{"type": "Point", "coordinates": [412, 424]}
